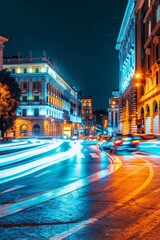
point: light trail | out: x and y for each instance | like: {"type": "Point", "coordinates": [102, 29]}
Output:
{"type": "Point", "coordinates": [28, 168]}
{"type": "Point", "coordinates": [17, 157]}
{"type": "Point", "coordinates": [7, 210]}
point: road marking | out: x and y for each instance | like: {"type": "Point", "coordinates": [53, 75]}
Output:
{"type": "Point", "coordinates": [102, 214]}
{"type": "Point", "coordinates": [25, 203]}
{"type": "Point", "coordinates": [41, 174]}
{"type": "Point", "coordinates": [94, 155]}
{"type": "Point", "coordinates": [13, 188]}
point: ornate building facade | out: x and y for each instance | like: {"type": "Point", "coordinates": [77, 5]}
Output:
{"type": "Point", "coordinates": [113, 113]}
{"type": "Point", "coordinates": [49, 105]}
{"type": "Point", "coordinates": [87, 115]}
{"type": "Point", "coordinates": [148, 65]}
{"type": "Point", "coordinates": [126, 46]}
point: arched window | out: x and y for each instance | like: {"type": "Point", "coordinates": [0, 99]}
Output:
{"type": "Point", "coordinates": [36, 130]}
{"type": "Point", "coordinates": [147, 110]}
{"type": "Point", "coordinates": [155, 107]}
{"type": "Point", "coordinates": [142, 112]}
{"type": "Point", "coordinates": [24, 130]}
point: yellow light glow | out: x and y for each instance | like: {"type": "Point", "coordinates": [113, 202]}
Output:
{"type": "Point", "coordinates": [138, 75]}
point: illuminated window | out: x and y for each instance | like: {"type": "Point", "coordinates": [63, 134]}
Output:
{"type": "Point", "coordinates": [87, 111]}
{"type": "Point", "coordinates": [158, 13]}
{"type": "Point", "coordinates": [149, 3]}
{"type": "Point", "coordinates": [149, 28]}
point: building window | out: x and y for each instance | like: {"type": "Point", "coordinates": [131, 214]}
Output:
{"type": "Point", "coordinates": [24, 98]}
{"type": "Point", "coordinates": [156, 78]}
{"type": "Point", "coordinates": [37, 70]}
{"type": "Point", "coordinates": [36, 98]}
{"type": "Point", "coordinates": [24, 70]}
{"type": "Point", "coordinates": [24, 85]}
{"type": "Point", "coordinates": [36, 112]}
{"type": "Point", "coordinates": [149, 28]}
{"type": "Point", "coordinates": [24, 112]}
{"type": "Point", "coordinates": [36, 85]}
{"type": "Point", "coordinates": [87, 111]}
{"type": "Point", "coordinates": [87, 104]}
{"type": "Point", "coordinates": [13, 70]}
{"type": "Point", "coordinates": [158, 13]}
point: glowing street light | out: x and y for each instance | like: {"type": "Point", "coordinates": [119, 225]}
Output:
{"type": "Point", "coordinates": [138, 75]}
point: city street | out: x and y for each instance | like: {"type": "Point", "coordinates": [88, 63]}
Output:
{"type": "Point", "coordinates": [71, 190]}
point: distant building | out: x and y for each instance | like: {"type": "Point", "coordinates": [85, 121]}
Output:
{"type": "Point", "coordinates": [101, 121]}
{"type": "Point", "coordinates": [2, 41]}
{"type": "Point", "coordinates": [49, 105]}
{"type": "Point", "coordinates": [87, 115]}
{"type": "Point", "coordinates": [113, 112]}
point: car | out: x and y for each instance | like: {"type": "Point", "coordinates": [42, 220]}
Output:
{"type": "Point", "coordinates": [104, 143]}
{"type": "Point", "coordinates": [123, 142]}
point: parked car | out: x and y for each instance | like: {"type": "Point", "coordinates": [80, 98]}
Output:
{"type": "Point", "coordinates": [104, 143]}
{"type": "Point", "coordinates": [123, 142]}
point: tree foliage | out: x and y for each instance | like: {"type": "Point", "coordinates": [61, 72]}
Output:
{"type": "Point", "coordinates": [9, 100]}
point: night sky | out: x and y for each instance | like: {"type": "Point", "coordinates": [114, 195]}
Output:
{"type": "Point", "coordinates": [79, 36]}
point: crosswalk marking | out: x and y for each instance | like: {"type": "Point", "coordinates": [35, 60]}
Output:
{"type": "Point", "coordinates": [94, 155]}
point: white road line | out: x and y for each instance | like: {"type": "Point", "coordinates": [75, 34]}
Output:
{"type": "Point", "coordinates": [94, 155]}
{"type": "Point", "coordinates": [41, 174]}
{"type": "Point", "coordinates": [13, 188]}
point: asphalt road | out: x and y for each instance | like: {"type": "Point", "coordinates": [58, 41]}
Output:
{"type": "Point", "coordinates": [85, 196]}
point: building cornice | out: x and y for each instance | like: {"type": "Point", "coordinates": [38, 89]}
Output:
{"type": "Point", "coordinates": [125, 22]}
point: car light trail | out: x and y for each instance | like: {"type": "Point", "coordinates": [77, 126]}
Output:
{"type": "Point", "coordinates": [15, 157]}
{"type": "Point", "coordinates": [28, 168]}
{"type": "Point", "coordinates": [45, 196]}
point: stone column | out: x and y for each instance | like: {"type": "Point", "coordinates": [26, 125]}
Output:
{"type": "Point", "coordinates": [2, 41]}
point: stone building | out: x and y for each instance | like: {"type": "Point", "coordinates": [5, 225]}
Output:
{"type": "Point", "coordinates": [126, 46]}
{"type": "Point", "coordinates": [148, 65]}
{"type": "Point", "coordinates": [49, 105]}
{"type": "Point", "coordinates": [87, 115]}
{"type": "Point", "coordinates": [113, 112]}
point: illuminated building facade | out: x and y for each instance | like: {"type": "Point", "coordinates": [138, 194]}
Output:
{"type": "Point", "coordinates": [148, 65]}
{"type": "Point", "coordinates": [126, 46]}
{"type": "Point", "coordinates": [87, 115]}
{"type": "Point", "coordinates": [2, 41]}
{"type": "Point", "coordinates": [49, 105]}
{"type": "Point", "coordinates": [113, 113]}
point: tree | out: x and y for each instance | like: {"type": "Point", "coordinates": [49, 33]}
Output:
{"type": "Point", "coordinates": [9, 100]}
